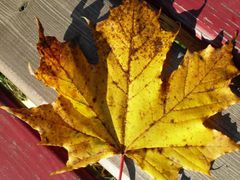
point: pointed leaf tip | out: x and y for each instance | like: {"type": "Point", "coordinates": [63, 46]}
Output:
{"type": "Point", "coordinates": [41, 36]}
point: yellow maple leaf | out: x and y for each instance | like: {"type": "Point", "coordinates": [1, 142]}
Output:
{"type": "Point", "coordinates": [119, 106]}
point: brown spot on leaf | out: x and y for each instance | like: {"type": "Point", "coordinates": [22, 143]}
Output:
{"type": "Point", "coordinates": [94, 99]}
{"type": "Point", "coordinates": [200, 57]}
{"type": "Point", "coordinates": [160, 150]}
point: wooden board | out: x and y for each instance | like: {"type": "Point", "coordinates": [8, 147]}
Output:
{"type": "Point", "coordinates": [62, 18]}
{"type": "Point", "coordinates": [208, 18]}
{"type": "Point", "coordinates": [20, 156]}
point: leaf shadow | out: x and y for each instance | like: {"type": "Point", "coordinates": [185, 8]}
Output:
{"type": "Point", "coordinates": [176, 54]}
{"type": "Point", "coordinates": [79, 30]}
{"type": "Point", "coordinates": [217, 41]}
{"type": "Point", "coordinates": [236, 55]}
{"type": "Point", "coordinates": [189, 16]}
{"type": "Point", "coordinates": [224, 124]}
{"type": "Point", "coordinates": [183, 175]}
{"type": "Point", "coordinates": [130, 167]}
{"type": "Point", "coordinates": [235, 83]}
{"type": "Point", "coordinates": [173, 60]}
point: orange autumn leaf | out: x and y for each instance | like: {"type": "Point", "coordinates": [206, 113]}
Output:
{"type": "Point", "coordinates": [119, 106]}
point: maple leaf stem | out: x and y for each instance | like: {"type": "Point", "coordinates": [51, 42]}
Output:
{"type": "Point", "coordinates": [121, 167]}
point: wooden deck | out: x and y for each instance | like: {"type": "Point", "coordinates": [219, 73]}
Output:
{"type": "Point", "coordinates": [61, 18]}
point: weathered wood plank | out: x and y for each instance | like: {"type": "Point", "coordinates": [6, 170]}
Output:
{"type": "Point", "coordinates": [21, 157]}
{"type": "Point", "coordinates": [208, 18]}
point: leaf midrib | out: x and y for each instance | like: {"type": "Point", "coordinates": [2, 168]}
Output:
{"type": "Point", "coordinates": [128, 80]}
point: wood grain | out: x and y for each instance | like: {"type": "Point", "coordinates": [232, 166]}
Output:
{"type": "Point", "coordinates": [208, 18]}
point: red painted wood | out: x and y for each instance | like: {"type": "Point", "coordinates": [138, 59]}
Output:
{"type": "Point", "coordinates": [216, 15]}
{"type": "Point", "coordinates": [20, 156]}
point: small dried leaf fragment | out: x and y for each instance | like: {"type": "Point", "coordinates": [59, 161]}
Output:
{"type": "Point", "coordinates": [119, 106]}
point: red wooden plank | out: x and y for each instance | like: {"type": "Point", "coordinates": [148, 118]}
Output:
{"type": "Point", "coordinates": [216, 15]}
{"type": "Point", "coordinates": [20, 156]}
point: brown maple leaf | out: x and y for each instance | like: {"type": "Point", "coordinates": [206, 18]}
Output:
{"type": "Point", "coordinates": [119, 106]}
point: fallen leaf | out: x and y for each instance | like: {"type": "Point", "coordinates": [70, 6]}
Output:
{"type": "Point", "coordinates": [121, 105]}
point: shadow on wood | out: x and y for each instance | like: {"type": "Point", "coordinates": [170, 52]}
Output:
{"type": "Point", "coordinates": [224, 124]}
{"type": "Point", "coordinates": [131, 168]}
{"type": "Point", "coordinates": [79, 30]}
{"type": "Point", "coordinates": [190, 16]}
{"type": "Point", "coordinates": [183, 176]}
